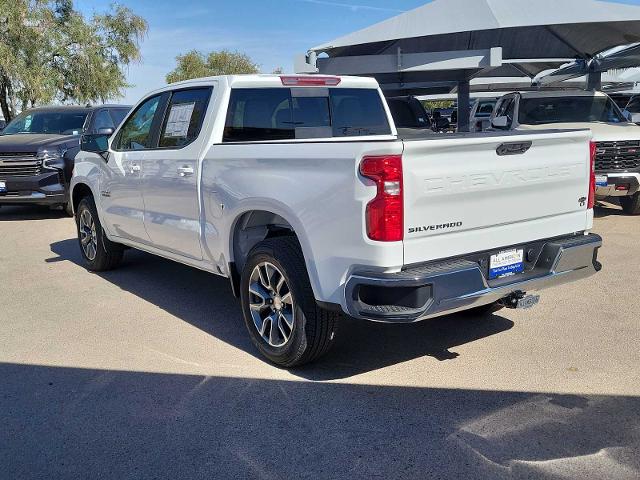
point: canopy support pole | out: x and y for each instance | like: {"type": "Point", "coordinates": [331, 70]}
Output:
{"type": "Point", "coordinates": [594, 80]}
{"type": "Point", "coordinates": [464, 105]}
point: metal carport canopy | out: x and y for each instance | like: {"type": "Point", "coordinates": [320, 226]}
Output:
{"type": "Point", "coordinates": [448, 42]}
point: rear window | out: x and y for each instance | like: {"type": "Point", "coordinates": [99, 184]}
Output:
{"type": "Point", "coordinates": [271, 114]}
{"type": "Point", "coordinates": [540, 111]}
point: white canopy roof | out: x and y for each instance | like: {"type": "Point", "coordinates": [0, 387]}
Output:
{"type": "Point", "coordinates": [446, 17]}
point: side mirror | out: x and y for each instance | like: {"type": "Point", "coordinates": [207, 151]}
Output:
{"type": "Point", "coordinates": [96, 143]}
{"type": "Point", "coordinates": [500, 122]}
{"type": "Point", "coordinates": [105, 131]}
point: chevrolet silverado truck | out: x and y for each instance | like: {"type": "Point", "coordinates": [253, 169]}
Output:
{"type": "Point", "coordinates": [617, 139]}
{"type": "Point", "coordinates": [301, 192]}
{"type": "Point", "coordinates": [38, 147]}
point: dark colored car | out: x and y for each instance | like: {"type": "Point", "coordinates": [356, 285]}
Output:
{"type": "Point", "coordinates": [38, 147]}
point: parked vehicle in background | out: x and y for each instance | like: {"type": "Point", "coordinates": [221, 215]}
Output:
{"type": "Point", "coordinates": [37, 150]}
{"type": "Point", "coordinates": [481, 114]}
{"type": "Point", "coordinates": [300, 190]}
{"type": "Point", "coordinates": [632, 110]}
{"type": "Point", "coordinates": [408, 112]}
{"type": "Point", "coordinates": [617, 141]}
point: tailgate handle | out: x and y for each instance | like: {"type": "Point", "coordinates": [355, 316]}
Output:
{"type": "Point", "coordinates": [513, 148]}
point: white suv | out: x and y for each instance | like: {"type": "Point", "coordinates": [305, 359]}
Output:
{"type": "Point", "coordinates": [617, 140]}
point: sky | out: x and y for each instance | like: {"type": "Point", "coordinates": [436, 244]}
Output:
{"type": "Point", "coordinates": [271, 32]}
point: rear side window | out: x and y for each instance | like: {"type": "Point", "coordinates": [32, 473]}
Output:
{"type": "Point", "coordinates": [184, 117]}
{"type": "Point", "coordinates": [271, 114]}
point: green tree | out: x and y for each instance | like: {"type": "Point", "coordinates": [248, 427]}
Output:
{"type": "Point", "coordinates": [50, 52]}
{"type": "Point", "coordinates": [195, 64]}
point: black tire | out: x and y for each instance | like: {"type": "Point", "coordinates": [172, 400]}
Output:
{"type": "Point", "coordinates": [631, 204]}
{"type": "Point", "coordinates": [108, 254]}
{"type": "Point", "coordinates": [484, 310]}
{"type": "Point", "coordinates": [68, 208]}
{"type": "Point", "coordinates": [314, 329]}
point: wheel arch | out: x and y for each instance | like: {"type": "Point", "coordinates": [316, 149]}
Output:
{"type": "Point", "coordinates": [253, 226]}
{"type": "Point", "coordinates": [78, 192]}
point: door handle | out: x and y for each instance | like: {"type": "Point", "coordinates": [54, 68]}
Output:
{"type": "Point", "coordinates": [134, 168]}
{"type": "Point", "coordinates": [185, 171]}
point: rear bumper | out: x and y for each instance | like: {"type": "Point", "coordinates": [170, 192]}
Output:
{"type": "Point", "coordinates": [44, 189]}
{"type": "Point", "coordinates": [441, 288]}
{"type": "Point", "coordinates": [631, 182]}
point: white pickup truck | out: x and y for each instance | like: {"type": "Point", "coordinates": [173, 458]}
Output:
{"type": "Point", "coordinates": [303, 193]}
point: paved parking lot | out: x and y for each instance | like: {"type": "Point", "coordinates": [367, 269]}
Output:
{"type": "Point", "coordinates": [147, 372]}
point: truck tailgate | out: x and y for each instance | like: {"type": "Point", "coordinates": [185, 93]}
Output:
{"type": "Point", "coordinates": [476, 193]}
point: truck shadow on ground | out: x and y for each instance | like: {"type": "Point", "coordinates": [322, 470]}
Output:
{"type": "Point", "coordinates": [17, 213]}
{"type": "Point", "coordinates": [206, 302]}
{"type": "Point", "coordinates": [75, 423]}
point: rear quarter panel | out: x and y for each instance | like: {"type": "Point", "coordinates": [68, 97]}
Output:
{"type": "Point", "coordinates": [315, 187]}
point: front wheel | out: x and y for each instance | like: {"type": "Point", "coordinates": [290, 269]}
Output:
{"type": "Point", "coordinates": [99, 253]}
{"type": "Point", "coordinates": [631, 204]}
{"type": "Point", "coordinates": [281, 314]}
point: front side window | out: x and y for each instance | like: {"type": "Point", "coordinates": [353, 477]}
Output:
{"type": "Point", "coordinates": [47, 122]}
{"type": "Point", "coordinates": [540, 111]}
{"type": "Point", "coordinates": [184, 117]}
{"type": "Point", "coordinates": [135, 134]}
{"type": "Point", "coordinates": [102, 120]}
{"type": "Point", "coordinates": [285, 114]}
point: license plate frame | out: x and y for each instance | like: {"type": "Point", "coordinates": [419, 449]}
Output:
{"type": "Point", "coordinates": [506, 263]}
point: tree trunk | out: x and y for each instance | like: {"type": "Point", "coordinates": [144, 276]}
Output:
{"type": "Point", "coordinates": [7, 112]}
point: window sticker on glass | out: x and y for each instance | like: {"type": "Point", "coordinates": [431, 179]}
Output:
{"type": "Point", "coordinates": [179, 120]}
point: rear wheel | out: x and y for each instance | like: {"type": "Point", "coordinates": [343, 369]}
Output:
{"type": "Point", "coordinates": [279, 308]}
{"type": "Point", "coordinates": [99, 253]}
{"type": "Point", "coordinates": [631, 204]}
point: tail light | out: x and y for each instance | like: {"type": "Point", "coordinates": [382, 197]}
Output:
{"type": "Point", "coordinates": [592, 177]}
{"type": "Point", "coordinates": [385, 213]}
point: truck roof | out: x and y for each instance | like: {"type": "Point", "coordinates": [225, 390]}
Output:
{"type": "Point", "coordinates": [74, 108]}
{"type": "Point", "coordinates": [271, 81]}
{"type": "Point", "coordinates": [561, 93]}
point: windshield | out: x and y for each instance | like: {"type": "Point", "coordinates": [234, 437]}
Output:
{"type": "Point", "coordinates": [540, 111]}
{"type": "Point", "coordinates": [47, 122]}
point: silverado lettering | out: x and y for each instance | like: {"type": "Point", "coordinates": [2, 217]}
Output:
{"type": "Point", "coordinates": [433, 228]}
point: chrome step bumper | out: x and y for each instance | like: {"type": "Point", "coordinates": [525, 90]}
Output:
{"type": "Point", "coordinates": [441, 288]}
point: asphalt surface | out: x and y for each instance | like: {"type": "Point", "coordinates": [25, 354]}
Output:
{"type": "Point", "coordinates": [147, 372]}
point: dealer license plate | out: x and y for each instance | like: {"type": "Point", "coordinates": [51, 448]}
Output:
{"type": "Point", "coordinates": [3, 187]}
{"type": "Point", "coordinates": [506, 263]}
{"type": "Point", "coordinates": [602, 181]}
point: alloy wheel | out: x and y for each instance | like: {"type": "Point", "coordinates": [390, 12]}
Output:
{"type": "Point", "coordinates": [88, 235]}
{"type": "Point", "coordinates": [271, 304]}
